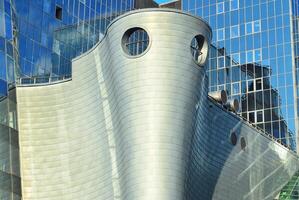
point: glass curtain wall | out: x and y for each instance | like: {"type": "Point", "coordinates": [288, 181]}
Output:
{"type": "Point", "coordinates": [253, 60]}
{"type": "Point", "coordinates": [10, 186]}
{"type": "Point", "coordinates": [52, 32]}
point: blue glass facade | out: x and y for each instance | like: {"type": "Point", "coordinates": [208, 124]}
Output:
{"type": "Point", "coordinates": [8, 46]}
{"type": "Point", "coordinates": [253, 59]}
{"type": "Point", "coordinates": [52, 32]}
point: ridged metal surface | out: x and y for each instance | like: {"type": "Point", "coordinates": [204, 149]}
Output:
{"type": "Point", "coordinates": [220, 170]}
{"type": "Point", "coordinates": [140, 128]}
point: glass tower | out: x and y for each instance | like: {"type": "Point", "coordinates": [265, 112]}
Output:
{"type": "Point", "coordinates": [254, 58]}
{"type": "Point", "coordinates": [52, 32]}
{"type": "Point", "coordinates": [10, 184]}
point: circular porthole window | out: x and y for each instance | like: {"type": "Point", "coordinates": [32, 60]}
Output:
{"type": "Point", "coordinates": [199, 49]}
{"type": "Point", "coordinates": [233, 138]}
{"type": "Point", "coordinates": [243, 143]}
{"type": "Point", "coordinates": [135, 41]}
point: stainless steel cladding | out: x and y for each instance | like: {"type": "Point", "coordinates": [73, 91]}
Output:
{"type": "Point", "coordinates": [121, 128]}
{"type": "Point", "coordinates": [219, 96]}
{"type": "Point", "coordinates": [133, 124]}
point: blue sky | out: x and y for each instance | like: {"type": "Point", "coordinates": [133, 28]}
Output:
{"type": "Point", "coordinates": [162, 1]}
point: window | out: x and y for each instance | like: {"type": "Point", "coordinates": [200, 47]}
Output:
{"type": "Point", "coordinates": [220, 63]}
{"type": "Point", "coordinates": [243, 143]}
{"type": "Point", "coordinates": [58, 13]}
{"type": "Point", "coordinates": [250, 86]}
{"type": "Point", "coordinates": [9, 49]}
{"type": "Point", "coordinates": [220, 34]}
{"type": "Point", "coordinates": [257, 55]}
{"type": "Point", "coordinates": [233, 138]}
{"type": "Point", "coordinates": [135, 41]}
{"type": "Point", "coordinates": [235, 71]}
{"type": "Point", "coordinates": [220, 7]}
{"type": "Point", "coordinates": [234, 4]}
{"type": "Point", "coordinates": [235, 88]}
{"type": "Point", "coordinates": [199, 49]}
{"type": "Point", "coordinates": [257, 26]}
{"type": "Point", "coordinates": [259, 116]}
{"type": "Point", "coordinates": [2, 67]}
{"type": "Point", "coordinates": [2, 44]}
{"type": "Point", "coordinates": [249, 56]}
{"type": "Point", "coordinates": [235, 59]}
{"type": "Point", "coordinates": [251, 117]}
{"type": "Point", "coordinates": [258, 84]}
{"type": "Point", "coordinates": [8, 27]}
{"type": "Point", "coordinates": [248, 28]}
{"type": "Point", "coordinates": [253, 27]}
{"type": "Point", "coordinates": [221, 75]}
{"type": "Point", "coordinates": [234, 31]}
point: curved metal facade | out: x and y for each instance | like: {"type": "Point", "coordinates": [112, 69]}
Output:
{"type": "Point", "coordinates": [142, 127]}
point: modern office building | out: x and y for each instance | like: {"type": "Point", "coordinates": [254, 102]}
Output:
{"type": "Point", "coordinates": [256, 33]}
{"type": "Point", "coordinates": [135, 122]}
{"type": "Point", "coordinates": [131, 117]}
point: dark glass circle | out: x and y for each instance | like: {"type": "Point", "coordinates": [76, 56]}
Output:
{"type": "Point", "coordinates": [233, 138]}
{"type": "Point", "coordinates": [135, 41]}
{"type": "Point", "coordinates": [243, 143]}
{"type": "Point", "coordinates": [199, 49]}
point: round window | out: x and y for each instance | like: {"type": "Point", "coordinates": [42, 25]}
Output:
{"type": "Point", "coordinates": [135, 41]}
{"type": "Point", "coordinates": [243, 143]}
{"type": "Point", "coordinates": [233, 138]}
{"type": "Point", "coordinates": [199, 49]}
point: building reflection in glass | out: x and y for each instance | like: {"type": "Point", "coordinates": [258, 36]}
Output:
{"type": "Point", "coordinates": [40, 46]}
{"type": "Point", "coordinates": [257, 36]}
{"type": "Point", "coordinates": [250, 83]}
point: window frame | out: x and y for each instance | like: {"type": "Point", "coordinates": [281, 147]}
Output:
{"type": "Point", "coordinates": [230, 5]}
{"type": "Point", "coordinates": [259, 26]}
{"type": "Point", "coordinates": [217, 7]}
{"type": "Point", "coordinates": [231, 32]}
{"type": "Point", "coordinates": [256, 121]}
{"type": "Point", "coordinates": [257, 79]}
{"type": "Point", "coordinates": [247, 85]}
{"type": "Point", "coordinates": [223, 64]}
{"type": "Point", "coordinates": [248, 24]}
{"type": "Point", "coordinates": [255, 59]}
{"type": "Point", "coordinates": [232, 59]}
{"type": "Point", "coordinates": [232, 88]}
{"type": "Point", "coordinates": [223, 34]}
{"type": "Point", "coordinates": [247, 56]}
{"type": "Point", "coordinates": [253, 114]}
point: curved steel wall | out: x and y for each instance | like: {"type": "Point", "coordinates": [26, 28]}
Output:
{"type": "Point", "coordinates": [152, 101]}
{"type": "Point", "coordinates": [63, 139]}
{"type": "Point", "coordinates": [136, 127]}
{"type": "Point", "coordinates": [130, 111]}
{"type": "Point", "coordinates": [220, 170]}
